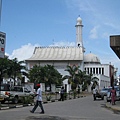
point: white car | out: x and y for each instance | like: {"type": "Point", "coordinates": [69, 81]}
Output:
{"type": "Point", "coordinates": [14, 93]}
{"type": "Point", "coordinates": [108, 97]}
{"type": "Point", "coordinates": [104, 91]}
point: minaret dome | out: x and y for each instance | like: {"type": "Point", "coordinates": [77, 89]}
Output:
{"type": "Point", "coordinates": [79, 21]}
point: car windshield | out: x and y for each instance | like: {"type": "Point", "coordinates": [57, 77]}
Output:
{"type": "Point", "coordinates": [4, 87]}
{"type": "Point", "coordinates": [116, 88]}
{"type": "Point", "coordinates": [105, 89]}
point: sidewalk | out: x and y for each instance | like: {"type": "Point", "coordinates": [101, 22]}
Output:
{"type": "Point", "coordinates": [113, 107]}
{"type": "Point", "coordinates": [10, 105]}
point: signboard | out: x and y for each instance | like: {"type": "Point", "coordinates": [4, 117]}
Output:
{"type": "Point", "coordinates": [2, 44]}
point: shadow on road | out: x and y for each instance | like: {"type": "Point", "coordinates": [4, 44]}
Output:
{"type": "Point", "coordinates": [45, 117]}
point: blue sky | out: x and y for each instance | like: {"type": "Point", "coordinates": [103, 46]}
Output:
{"type": "Point", "coordinates": [30, 23]}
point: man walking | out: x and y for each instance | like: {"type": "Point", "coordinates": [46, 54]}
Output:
{"type": "Point", "coordinates": [62, 94]}
{"type": "Point", "coordinates": [94, 93]}
{"type": "Point", "coordinates": [38, 100]}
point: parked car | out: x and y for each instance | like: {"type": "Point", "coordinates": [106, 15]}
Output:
{"type": "Point", "coordinates": [14, 93]}
{"type": "Point", "coordinates": [2, 97]}
{"type": "Point", "coordinates": [98, 95]}
{"type": "Point", "coordinates": [3, 94]}
{"type": "Point", "coordinates": [104, 91]}
{"type": "Point", "coordinates": [108, 97]}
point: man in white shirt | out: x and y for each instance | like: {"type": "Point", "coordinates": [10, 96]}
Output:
{"type": "Point", "coordinates": [38, 100]}
{"type": "Point", "coordinates": [94, 93]}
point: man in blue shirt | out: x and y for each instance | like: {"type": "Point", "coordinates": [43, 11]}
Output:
{"type": "Point", "coordinates": [38, 100]}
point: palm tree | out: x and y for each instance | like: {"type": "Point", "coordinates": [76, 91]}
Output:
{"type": "Point", "coordinates": [52, 76]}
{"type": "Point", "coordinates": [36, 74]}
{"type": "Point", "coordinates": [3, 68]}
{"type": "Point", "coordinates": [72, 77]}
{"type": "Point", "coordinates": [95, 82]}
{"type": "Point", "coordinates": [16, 69]}
{"type": "Point", "coordinates": [87, 80]}
{"type": "Point", "coordinates": [47, 74]}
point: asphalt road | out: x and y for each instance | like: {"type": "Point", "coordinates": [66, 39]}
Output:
{"type": "Point", "coordinates": [76, 109]}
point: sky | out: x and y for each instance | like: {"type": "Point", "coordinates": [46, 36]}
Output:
{"type": "Point", "coordinates": [32, 23]}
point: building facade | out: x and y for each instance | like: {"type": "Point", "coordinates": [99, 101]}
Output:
{"type": "Point", "coordinates": [60, 57]}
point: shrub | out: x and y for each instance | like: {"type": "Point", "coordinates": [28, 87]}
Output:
{"type": "Point", "coordinates": [27, 99]}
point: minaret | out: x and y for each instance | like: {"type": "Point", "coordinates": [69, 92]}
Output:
{"type": "Point", "coordinates": [79, 32]}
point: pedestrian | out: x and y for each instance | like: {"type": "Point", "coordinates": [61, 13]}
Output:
{"type": "Point", "coordinates": [113, 95]}
{"type": "Point", "coordinates": [94, 93]}
{"type": "Point", "coordinates": [38, 100]}
{"type": "Point", "coordinates": [62, 94]}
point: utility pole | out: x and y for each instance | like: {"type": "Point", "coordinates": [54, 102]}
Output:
{"type": "Point", "coordinates": [0, 58]}
{"type": "Point", "coordinates": [0, 11]}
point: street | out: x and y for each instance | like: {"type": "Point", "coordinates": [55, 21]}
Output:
{"type": "Point", "coordinates": [76, 109]}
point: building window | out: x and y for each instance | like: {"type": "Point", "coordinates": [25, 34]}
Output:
{"type": "Point", "coordinates": [102, 71]}
{"type": "Point", "coordinates": [96, 70]}
{"type": "Point", "coordinates": [88, 70]}
{"type": "Point", "coordinates": [99, 70]}
{"type": "Point", "coordinates": [93, 70]}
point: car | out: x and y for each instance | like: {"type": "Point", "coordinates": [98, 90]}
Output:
{"type": "Point", "coordinates": [98, 95]}
{"type": "Point", "coordinates": [108, 97]}
{"type": "Point", "coordinates": [15, 93]}
{"type": "Point", "coordinates": [3, 94]}
{"type": "Point", "coordinates": [104, 91]}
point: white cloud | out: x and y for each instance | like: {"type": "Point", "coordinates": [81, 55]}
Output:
{"type": "Point", "coordinates": [23, 53]}
{"type": "Point", "coordinates": [94, 33]}
{"type": "Point", "coordinates": [26, 51]}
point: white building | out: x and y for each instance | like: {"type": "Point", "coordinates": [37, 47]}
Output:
{"type": "Point", "coordinates": [60, 57]}
{"type": "Point", "coordinates": [101, 71]}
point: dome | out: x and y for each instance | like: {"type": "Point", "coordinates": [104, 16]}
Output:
{"type": "Point", "coordinates": [91, 58]}
{"type": "Point", "coordinates": [79, 21]}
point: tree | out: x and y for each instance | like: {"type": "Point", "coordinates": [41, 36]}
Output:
{"type": "Point", "coordinates": [47, 74]}
{"type": "Point", "coordinates": [95, 82]}
{"type": "Point", "coordinates": [15, 69]}
{"type": "Point", "coordinates": [87, 81]}
{"type": "Point", "coordinates": [36, 74]}
{"type": "Point", "coordinates": [3, 67]}
{"type": "Point", "coordinates": [73, 76]}
{"type": "Point", "coordinates": [52, 76]}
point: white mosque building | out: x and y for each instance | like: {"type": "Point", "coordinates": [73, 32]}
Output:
{"type": "Point", "coordinates": [60, 57]}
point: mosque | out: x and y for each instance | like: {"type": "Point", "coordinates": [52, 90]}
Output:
{"type": "Point", "coordinates": [60, 57]}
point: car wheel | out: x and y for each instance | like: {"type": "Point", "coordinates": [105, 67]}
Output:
{"type": "Point", "coordinates": [102, 97]}
{"type": "Point", "coordinates": [3, 101]}
{"type": "Point", "coordinates": [15, 100]}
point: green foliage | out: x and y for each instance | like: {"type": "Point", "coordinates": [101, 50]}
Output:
{"type": "Point", "coordinates": [74, 93]}
{"type": "Point", "coordinates": [65, 96]}
{"type": "Point", "coordinates": [76, 77]}
{"type": "Point", "coordinates": [12, 68]}
{"type": "Point", "coordinates": [95, 82]}
{"type": "Point", "coordinates": [27, 99]}
{"type": "Point", "coordinates": [45, 74]}
{"type": "Point", "coordinates": [72, 77]}
{"type": "Point", "coordinates": [48, 97]}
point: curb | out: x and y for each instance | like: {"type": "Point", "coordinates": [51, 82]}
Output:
{"type": "Point", "coordinates": [25, 105]}
{"type": "Point", "coordinates": [116, 108]}
{"type": "Point", "coordinates": [17, 106]}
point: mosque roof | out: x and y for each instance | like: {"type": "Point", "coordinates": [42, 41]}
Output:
{"type": "Point", "coordinates": [57, 53]}
{"type": "Point", "coordinates": [91, 58]}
